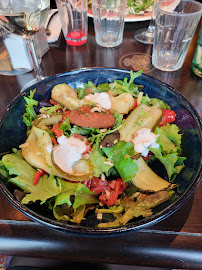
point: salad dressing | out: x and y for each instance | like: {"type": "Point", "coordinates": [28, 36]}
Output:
{"type": "Point", "coordinates": [68, 152]}
{"type": "Point", "coordinates": [100, 98]}
{"type": "Point", "coordinates": [143, 140]}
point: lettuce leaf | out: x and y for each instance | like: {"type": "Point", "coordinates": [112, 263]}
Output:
{"type": "Point", "coordinates": [158, 103]}
{"type": "Point", "coordinates": [46, 188]}
{"type": "Point", "coordinates": [100, 163]}
{"type": "Point", "coordinates": [82, 196]}
{"type": "Point", "coordinates": [172, 132]}
{"type": "Point", "coordinates": [22, 175]}
{"type": "Point", "coordinates": [120, 154]}
{"type": "Point", "coordinates": [172, 162]}
{"type": "Point", "coordinates": [169, 151]}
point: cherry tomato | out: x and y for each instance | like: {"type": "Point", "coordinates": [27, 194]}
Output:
{"type": "Point", "coordinates": [168, 117]}
{"type": "Point", "coordinates": [82, 138]}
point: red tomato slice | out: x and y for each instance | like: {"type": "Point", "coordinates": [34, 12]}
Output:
{"type": "Point", "coordinates": [168, 117]}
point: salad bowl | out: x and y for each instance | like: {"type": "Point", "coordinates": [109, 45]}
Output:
{"type": "Point", "coordinates": [13, 134]}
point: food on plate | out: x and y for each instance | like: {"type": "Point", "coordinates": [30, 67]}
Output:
{"type": "Point", "coordinates": [91, 151]}
{"type": "Point", "coordinates": [134, 7]}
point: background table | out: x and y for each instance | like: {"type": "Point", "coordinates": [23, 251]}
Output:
{"type": "Point", "coordinates": [175, 242]}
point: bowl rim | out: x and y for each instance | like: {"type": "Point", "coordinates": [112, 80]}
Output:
{"type": "Point", "coordinates": [142, 224]}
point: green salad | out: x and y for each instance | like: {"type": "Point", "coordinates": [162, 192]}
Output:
{"type": "Point", "coordinates": [88, 152]}
{"type": "Point", "coordinates": [134, 7]}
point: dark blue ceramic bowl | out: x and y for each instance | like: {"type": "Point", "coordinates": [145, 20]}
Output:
{"type": "Point", "coordinates": [13, 130]}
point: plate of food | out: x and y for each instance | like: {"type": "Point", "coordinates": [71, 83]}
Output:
{"type": "Point", "coordinates": [99, 151]}
{"type": "Point", "coordinates": [136, 10]}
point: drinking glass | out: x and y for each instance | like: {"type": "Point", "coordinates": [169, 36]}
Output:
{"type": "Point", "coordinates": [25, 18]}
{"type": "Point", "coordinates": [174, 31]}
{"type": "Point", "coordinates": [146, 35]}
{"type": "Point", "coordinates": [74, 20]}
{"type": "Point", "coordinates": [108, 16]}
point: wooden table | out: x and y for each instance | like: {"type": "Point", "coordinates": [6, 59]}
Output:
{"type": "Point", "coordinates": [175, 242]}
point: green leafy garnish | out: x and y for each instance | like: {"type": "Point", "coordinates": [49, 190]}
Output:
{"type": "Point", "coordinates": [100, 163]}
{"type": "Point", "coordinates": [22, 175]}
{"type": "Point", "coordinates": [51, 110]}
{"type": "Point", "coordinates": [170, 148]}
{"type": "Point", "coordinates": [125, 86]}
{"type": "Point", "coordinates": [120, 154]}
{"type": "Point", "coordinates": [158, 103]}
{"type": "Point", "coordinates": [30, 114]}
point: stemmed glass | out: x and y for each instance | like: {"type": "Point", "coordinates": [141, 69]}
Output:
{"type": "Point", "coordinates": [146, 35]}
{"type": "Point", "coordinates": [25, 18]}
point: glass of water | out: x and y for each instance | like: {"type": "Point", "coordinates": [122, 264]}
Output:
{"type": "Point", "coordinates": [174, 31]}
{"type": "Point", "coordinates": [109, 19]}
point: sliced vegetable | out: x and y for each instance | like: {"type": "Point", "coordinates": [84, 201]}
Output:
{"type": "Point", "coordinates": [147, 180]}
{"type": "Point", "coordinates": [37, 176]}
{"type": "Point", "coordinates": [142, 116]}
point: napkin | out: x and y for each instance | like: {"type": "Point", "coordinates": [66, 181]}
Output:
{"type": "Point", "coordinates": [54, 26]}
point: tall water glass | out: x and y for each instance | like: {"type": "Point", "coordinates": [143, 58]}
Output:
{"type": "Point", "coordinates": [109, 19]}
{"type": "Point", "coordinates": [174, 31]}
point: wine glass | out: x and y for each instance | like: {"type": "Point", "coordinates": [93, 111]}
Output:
{"type": "Point", "coordinates": [25, 18]}
{"type": "Point", "coordinates": [146, 35]}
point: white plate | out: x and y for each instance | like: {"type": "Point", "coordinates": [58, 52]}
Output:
{"type": "Point", "coordinates": [129, 18]}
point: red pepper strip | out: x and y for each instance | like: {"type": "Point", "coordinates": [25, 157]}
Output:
{"type": "Point", "coordinates": [58, 132]}
{"type": "Point", "coordinates": [86, 183]}
{"type": "Point", "coordinates": [111, 199]}
{"type": "Point", "coordinates": [53, 102]}
{"type": "Point", "coordinates": [122, 187]}
{"type": "Point", "coordinates": [101, 188]}
{"type": "Point", "coordinates": [37, 175]}
{"type": "Point", "coordinates": [82, 138]}
{"type": "Point", "coordinates": [135, 103]}
{"type": "Point", "coordinates": [54, 141]}
{"type": "Point", "coordinates": [95, 181]}
{"type": "Point", "coordinates": [168, 117]}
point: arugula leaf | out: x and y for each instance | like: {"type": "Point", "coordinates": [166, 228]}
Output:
{"type": "Point", "coordinates": [51, 109]}
{"type": "Point", "coordinates": [120, 154]}
{"type": "Point", "coordinates": [120, 86]}
{"type": "Point", "coordinates": [30, 114]}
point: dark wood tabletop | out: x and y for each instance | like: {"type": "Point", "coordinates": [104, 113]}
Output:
{"type": "Point", "coordinates": [175, 242]}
